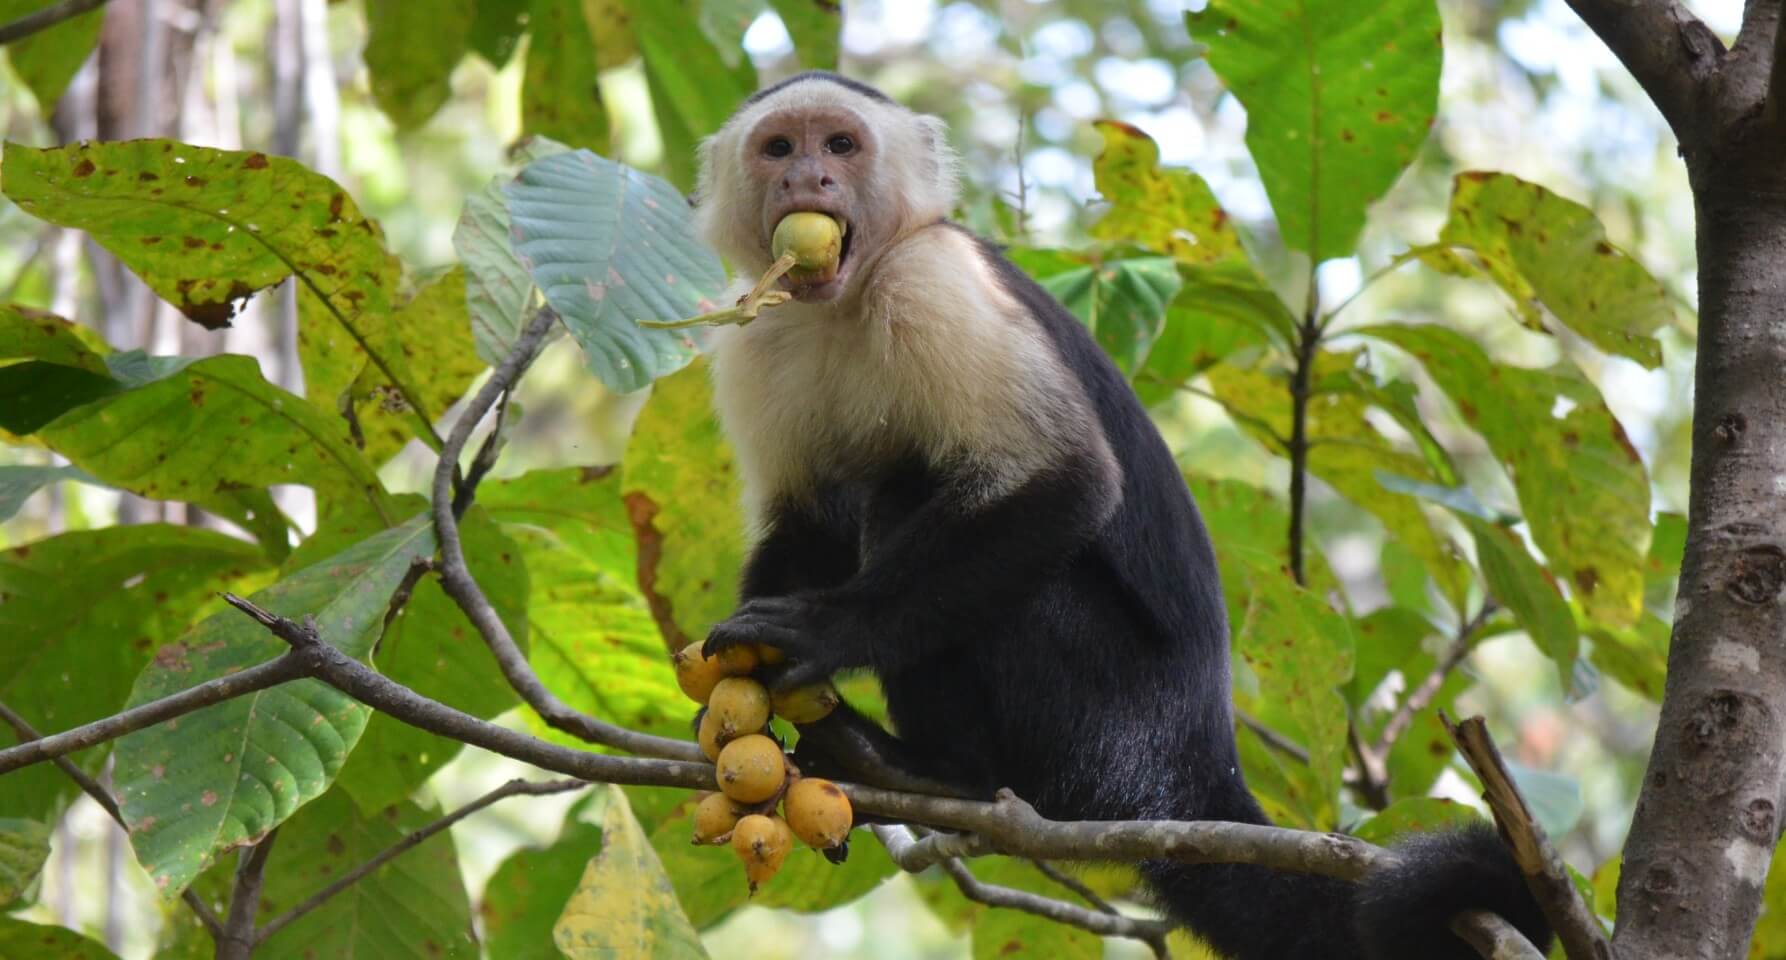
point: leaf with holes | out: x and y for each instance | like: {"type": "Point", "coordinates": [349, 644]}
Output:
{"type": "Point", "coordinates": [680, 492]}
{"type": "Point", "coordinates": [410, 76]}
{"type": "Point", "coordinates": [207, 228]}
{"type": "Point", "coordinates": [610, 246]}
{"type": "Point", "coordinates": [172, 428]}
{"type": "Point", "coordinates": [1582, 486]}
{"type": "Point", "coordinates": [1338, 97]}
{"type": "Point", "coordinates": [1546, 251]}
{"type": "Point", "coordinates": [624, 905]}
{"type": "Point", "coordinates": [412, 908]}
{"type": "Point", "coordinates": [219, 778]}
{"type": "Point", "coordinates": [97, 604]}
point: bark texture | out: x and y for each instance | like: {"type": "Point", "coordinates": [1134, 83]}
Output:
{"type": "Point", "coordinates": [1709, 813]}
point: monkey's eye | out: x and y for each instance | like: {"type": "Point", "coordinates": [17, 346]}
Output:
{"type": "Point", "coordinates": [840, 144]}
{"type": "Point", "coordinates": [778, 147]}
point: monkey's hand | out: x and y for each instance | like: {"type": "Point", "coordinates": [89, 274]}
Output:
{"type": "Point", "coordinates": [813, 636]}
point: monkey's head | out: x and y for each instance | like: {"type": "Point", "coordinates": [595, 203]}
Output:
{"type": "Point", "coordinates": [823, 143]}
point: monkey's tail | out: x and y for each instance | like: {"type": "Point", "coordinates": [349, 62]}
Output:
{"type": "Point", "coordinates": [1248, 912]}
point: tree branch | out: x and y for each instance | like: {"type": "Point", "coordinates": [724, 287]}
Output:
{"type": "Point", "coordinates": [512, 788]}
{"type": "Point", "coordinates": [41, 20]}
{"type": "Point", "coordinates": [93, 788]}
{"type": "Point", "coordinates": [1308, 345]}
{"type": "Point", "coordinates": [450, 503]}
{"type": "Point", "coordinates": [1575, 924]}
{"type": "Point", "coordinates": [1775, 114]}
{"type": "Point", "coordinates": [237, 941]}
{"type": "Point", "coordinates": [1493, 937]}
{"type": "Point", "coordinates": [269, 674]}
{"type": "Point", "coordinates": [1668, 50]}
{"type": "Point", "coordinates": [900, 842]}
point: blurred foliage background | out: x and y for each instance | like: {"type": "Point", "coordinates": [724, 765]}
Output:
{"type": "Point", "coordinates": [1525, 89]}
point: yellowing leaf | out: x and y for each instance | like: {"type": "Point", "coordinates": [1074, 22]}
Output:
{"type": "Point", "coordinates": [624, 906]}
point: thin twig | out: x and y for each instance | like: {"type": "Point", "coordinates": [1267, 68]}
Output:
{"type": "Point", "coordinates": [1074, 884]}
{"type": "Point", "coordinates": [1272, 738]}
{"type": "Point", "coordinates": [1421, 696]}
{"type": "Point", "coordinates": [41, 20]}
{"type": "Point", "coordinates": [237, 942]}
{"type": "Point", "coordinates": [513, 788]}
{"type": "Point", "coordinates": [450, 502]}
{"type": "Point", "coordinates": [1575, 924]}
{"type": "Point", "coordinates": [93, 788]}
{"type": "Point", "coordinates": [899, 842]}
{"type": "Point", "coordinates": [269, 674]}
{"type": "Point", "coordinates": [1308, 347]}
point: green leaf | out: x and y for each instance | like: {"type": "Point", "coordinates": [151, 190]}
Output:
{"type": "Point", "coordinates": [594, 642]}
{"type": "Point", "coordinates": [1122, 302]}
{"type": "Point", "coordinates": [207, 228]}
{"type": "Point", "coordinates": [610, 246]}
{"type": "Point", "coordinates": [724, 22]}
{"type": "Point", "coordinates": [95, 604]}
{"type": "Point", "coordinates": [24, 846]}
{"type": "Point", "coordinates": [193, 430]}
{"type": "Point", "coordinates": [1298, 652]}
{"type": "Point", "coordinates": [497, 28]}
{"type": "Point", "coordinates": [559, 96]}
{"type": "Point", "coordinates": [1218, 313]}
{"type": "Point", "coordinates": [693, 91]}
{"type": "Point", "coordinates": [19, 482]}
{"type": "Point", "coordinates": [1582, 486]}
{"type": "Point", "coordinates": [1555, 798]}
{"type": "Point", "coordinates": [1338, 98]}
{"type": "Point", "coordinates": [432, 333]}
{"type": "Point", "coordinates": [1415, 815]}
{"type": "Point", "coordinates": [525, 895]}
{"type": "Point", "coordinates": [44, 942]}
{"type": "Point", "coordinates": [434, 650]}
{"type": "Point", "coordinates": [624, 905]}
{"type": "Point", "coordinates": [816, 27]}
{"type": "Point", "coordinates": [219, 778]}
{"type": "Point", "coordinates": [610, 23]}
{"type": "Point", "coordinates": [29, 334]}
{"type": "Point", "coordinates": [39, 392]}
{"type": "Point", "coordinates": [411, 75]}
{"type": "Point", "coordinates": [415, 906]}
{"type": "Point", "coordinates": [1636, 657]}
{"type": "Point", "coordinates": [1387, 639]}
{"type": "Point", "coordinates": [1548, 252]}
{"type": "Point", "coordinates": [47, 61]}
{"type": "Point", "coordinates": [1515, 579]}
{"type": "Point", "coordinates": [680, 491]}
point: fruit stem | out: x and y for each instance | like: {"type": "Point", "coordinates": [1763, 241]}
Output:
{"type": "Point", "coordinates": [758, 299]}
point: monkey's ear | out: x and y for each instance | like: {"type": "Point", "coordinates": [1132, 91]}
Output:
{"type": "Point", "coordinates": [945, 174]}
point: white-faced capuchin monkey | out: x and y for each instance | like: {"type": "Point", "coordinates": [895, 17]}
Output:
{"type": "Point", "coordinates": [952, 487]}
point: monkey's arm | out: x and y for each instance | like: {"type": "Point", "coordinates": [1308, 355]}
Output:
{"type": "Point", "coordinates": [950, 567]}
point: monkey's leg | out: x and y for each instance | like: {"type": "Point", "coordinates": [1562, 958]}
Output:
{"type": "Point", "coordinates": [848, 746]}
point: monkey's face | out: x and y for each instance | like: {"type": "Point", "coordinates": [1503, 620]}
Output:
{"type": "Point", "coordinates": [816, 159]}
